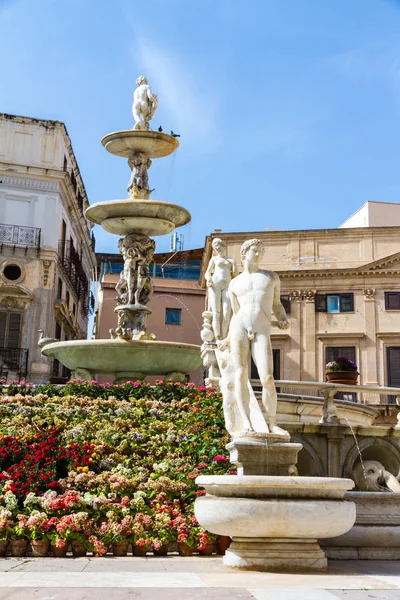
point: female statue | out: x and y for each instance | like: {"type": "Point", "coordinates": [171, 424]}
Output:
{"type": "Point", "coordinates": [219, 273]}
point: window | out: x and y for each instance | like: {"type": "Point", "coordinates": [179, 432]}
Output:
{"type": "Point", "coordinates": [59, 289]}
{"type": "Point", "coordinates": [10, 329]}
{"type": "Point", "coordinates": [334, 303]}
{"type": "Point", "coordinates": [285, 299]}
{"type": "Point", "coordinates": [173, 316]}
{"type": "Point", "coordinates": [67, 299]}
{"type": "Point", "coordinates": [277, 366]}
{"type": "Point", "coordinates": [393, 370]}
{"type": "Point", "coordinates": [12, 272]}
{"type": "Point", "coordinates": [392, 300]}
{"type": "Point", "coordinates": [334, 352]}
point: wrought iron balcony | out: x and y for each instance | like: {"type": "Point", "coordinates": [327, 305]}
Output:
{"type": "Point", "coordinates": [71, 265]}
{"type": "Point", "coordinates": [18, 235]}
{"type": "Point", "coordinates": [14, 359]}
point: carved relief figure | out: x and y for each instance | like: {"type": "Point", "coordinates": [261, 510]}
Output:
{"type": "Point", "coordinates": [219, 273]}
{"type": "Point", "coordinates": [144, 104]}
{"type": "Point", "coordinates": [254, 294]}
{"type": "Point", "coordinates": [134, 285]}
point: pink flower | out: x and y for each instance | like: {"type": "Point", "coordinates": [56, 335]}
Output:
{"type": "Point", "coordinates": [190, 384]}
{"type": "Point", "coordinates": [219, 458]}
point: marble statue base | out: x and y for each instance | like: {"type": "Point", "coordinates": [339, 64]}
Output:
{"type": "Point", "coordinates": [276, 555]}
{"type": "Point", "coordinates": [264, 454]}
{"type": "Point", "coordinates": [132, 322]}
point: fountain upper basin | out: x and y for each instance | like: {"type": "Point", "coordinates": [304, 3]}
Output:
{"type": "Point", "coordinates": [130, 141]}
{"type": "Point", "coordinates": [126, 359]}
{"type": "Point", "coordinates": [149, 217]}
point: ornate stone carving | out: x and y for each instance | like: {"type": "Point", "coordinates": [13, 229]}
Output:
{"type": "Point", "coordinates": [369, 294]}
{"type": "Point", "coordinates": [371, 476]}
{"type": "Point", "coordinates": [134, 285]}
{"type": "Point", "coordinates": [138, 185]}
{"type": "Point", "coordinates": [144, 104]}
{"type": "Point", "coordinates": [10, 302]}
{"type": "Point", "coordinates": [46, 266]}
{"type": "Point", "coordinates": [308, 295]}
{"type": "Point", "coordinates": [219, 273]}
{"type": "Point", "coordinates": [295, 296]}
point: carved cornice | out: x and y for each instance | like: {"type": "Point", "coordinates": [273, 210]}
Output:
{"type": "Point", "coordinates": [37, 184]}
{"type": "Point", "coordinates": [295, 296]}
{"type": "Point", "coordinates": [308, 295]}
{"type": "Point", "coordinates": [46, 266]}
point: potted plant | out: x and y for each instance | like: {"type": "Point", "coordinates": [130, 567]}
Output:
{"type": "Point", "coordinates": [6, 523]}
{"type": "Point", "coordinates": [342, 370]}
{"type": "Point", "coordinates": [19, 536]}
{"type": "Point", "coordinates": [37, 528]}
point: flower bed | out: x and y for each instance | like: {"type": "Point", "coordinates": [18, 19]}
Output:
{"type": "Point", "coordinates": [104, 466]}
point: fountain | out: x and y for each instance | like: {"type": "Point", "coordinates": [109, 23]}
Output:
{"type": "Point", "coordinates": [131, 354]}
{"type": "Point", "coordinates": [274, 517]}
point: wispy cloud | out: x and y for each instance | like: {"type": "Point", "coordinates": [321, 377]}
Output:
{"type": "Point", "coordinates": [184, 95]}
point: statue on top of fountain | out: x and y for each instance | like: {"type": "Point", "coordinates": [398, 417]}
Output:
{"type": "Point", "coordinates": [144, 104]}
{"type": "Point", "coordinates": [254, 295]}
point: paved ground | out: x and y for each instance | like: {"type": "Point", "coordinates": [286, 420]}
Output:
{"type": "Point", "coordinates": [189, 578]}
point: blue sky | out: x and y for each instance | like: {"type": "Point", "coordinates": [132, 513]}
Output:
{"type": "Point", "coordinates": [289, 110]}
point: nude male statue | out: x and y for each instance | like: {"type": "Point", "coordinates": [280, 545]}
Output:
{"type": "Point", "coordinates": [255, 294]}
{"type": "Point", "coordinates": [144, 104]}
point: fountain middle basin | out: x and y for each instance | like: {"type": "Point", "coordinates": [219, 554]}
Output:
{"type": "Point", "coordinates": [274, 521]}
{"type": "Point", "coordinates": [126, 359]}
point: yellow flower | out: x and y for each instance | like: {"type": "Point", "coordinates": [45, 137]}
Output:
{"type": "Point", "coordinates": [85, 469]}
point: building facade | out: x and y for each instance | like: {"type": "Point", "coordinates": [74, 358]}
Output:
{"type": "Point", "coordinates": [47, 254]}
{"type": "Point", "coordinates": [341, 289]}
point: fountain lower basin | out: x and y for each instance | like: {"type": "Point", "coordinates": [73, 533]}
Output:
{"type": "Point", "coordinates": [126, 360]}
{"type": "Point", "coordinates": [275, 522]}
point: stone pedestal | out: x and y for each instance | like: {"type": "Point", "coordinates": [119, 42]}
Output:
{"type": "Point", "coordinates": [264, 454]}
{"type": "Point", "coordinates": [278, 555]}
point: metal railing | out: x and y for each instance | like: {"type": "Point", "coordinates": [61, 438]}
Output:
{"type": "Point", "coordinates": [18, 235]}
{"type": "Point", "coordinates": [71, 265]}
{"type": "Point", "coordinates": [14, 359]}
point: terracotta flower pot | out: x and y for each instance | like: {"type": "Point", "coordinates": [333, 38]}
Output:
{"type": "Point", "coordinates": [40, 548]}
{"type": "Point", "coordinates": [140, 550]}
{"type": "Point", "coordinates": [120, 549]}
{"type": "Point", "coordinates": [208, 550]}
{"type": "Point", "coordinates": [18, 547]}
{"type": "Point", "coordinates": [3, 547]}
{"type": "Point", "coordinates": [78, 549]}
{"type": "Point", "coordinates": [223, 543]}
{"type": "Point", "coordinates": [343, 377]}
{"type": "Point", "coordinates": [59, 552]}
{"type": "Point", "coordinates": [184, 549]}
{"type": "Point", "coordinates": [162, 551]}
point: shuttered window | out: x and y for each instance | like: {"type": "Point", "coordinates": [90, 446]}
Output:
{"type": "Point", "coordinates": [392, 300]}
{"type": "Point", "coordinates": [393, 370]}
{"type": "Point", "coordinates": [334, 303]}
{"type": "Point", "coordinates": [10, 329]}
{"type": "Point", "coordinates": [285, 300]}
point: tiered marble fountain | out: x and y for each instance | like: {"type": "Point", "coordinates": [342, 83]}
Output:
{"type": "Point", "coordinates": [131, 354]}
{"type": "Point", "coordinates": [274, 517]}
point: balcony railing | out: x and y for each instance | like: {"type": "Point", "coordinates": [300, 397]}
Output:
{"type": "Point", "coordinates": [17, 235]}
{"type": "Point", "coordinates": [14, 359]}
{"type": "Point", "coordinates": [71, 265]}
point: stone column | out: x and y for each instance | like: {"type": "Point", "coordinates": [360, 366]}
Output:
{"type": "Point", "coordinates": [368, 370]}
{"type": "Point", "coordinates": [335, 441]}
{"type": "Point", "coordinates": [308, 337]}
{"type": "Point", "coordinates": [295, 335]}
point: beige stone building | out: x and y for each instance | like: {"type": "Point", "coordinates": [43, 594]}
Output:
{"type": "Point", "coordinates": [341, 288]}
{"type": "Point", "coordinates": [46, 248]}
